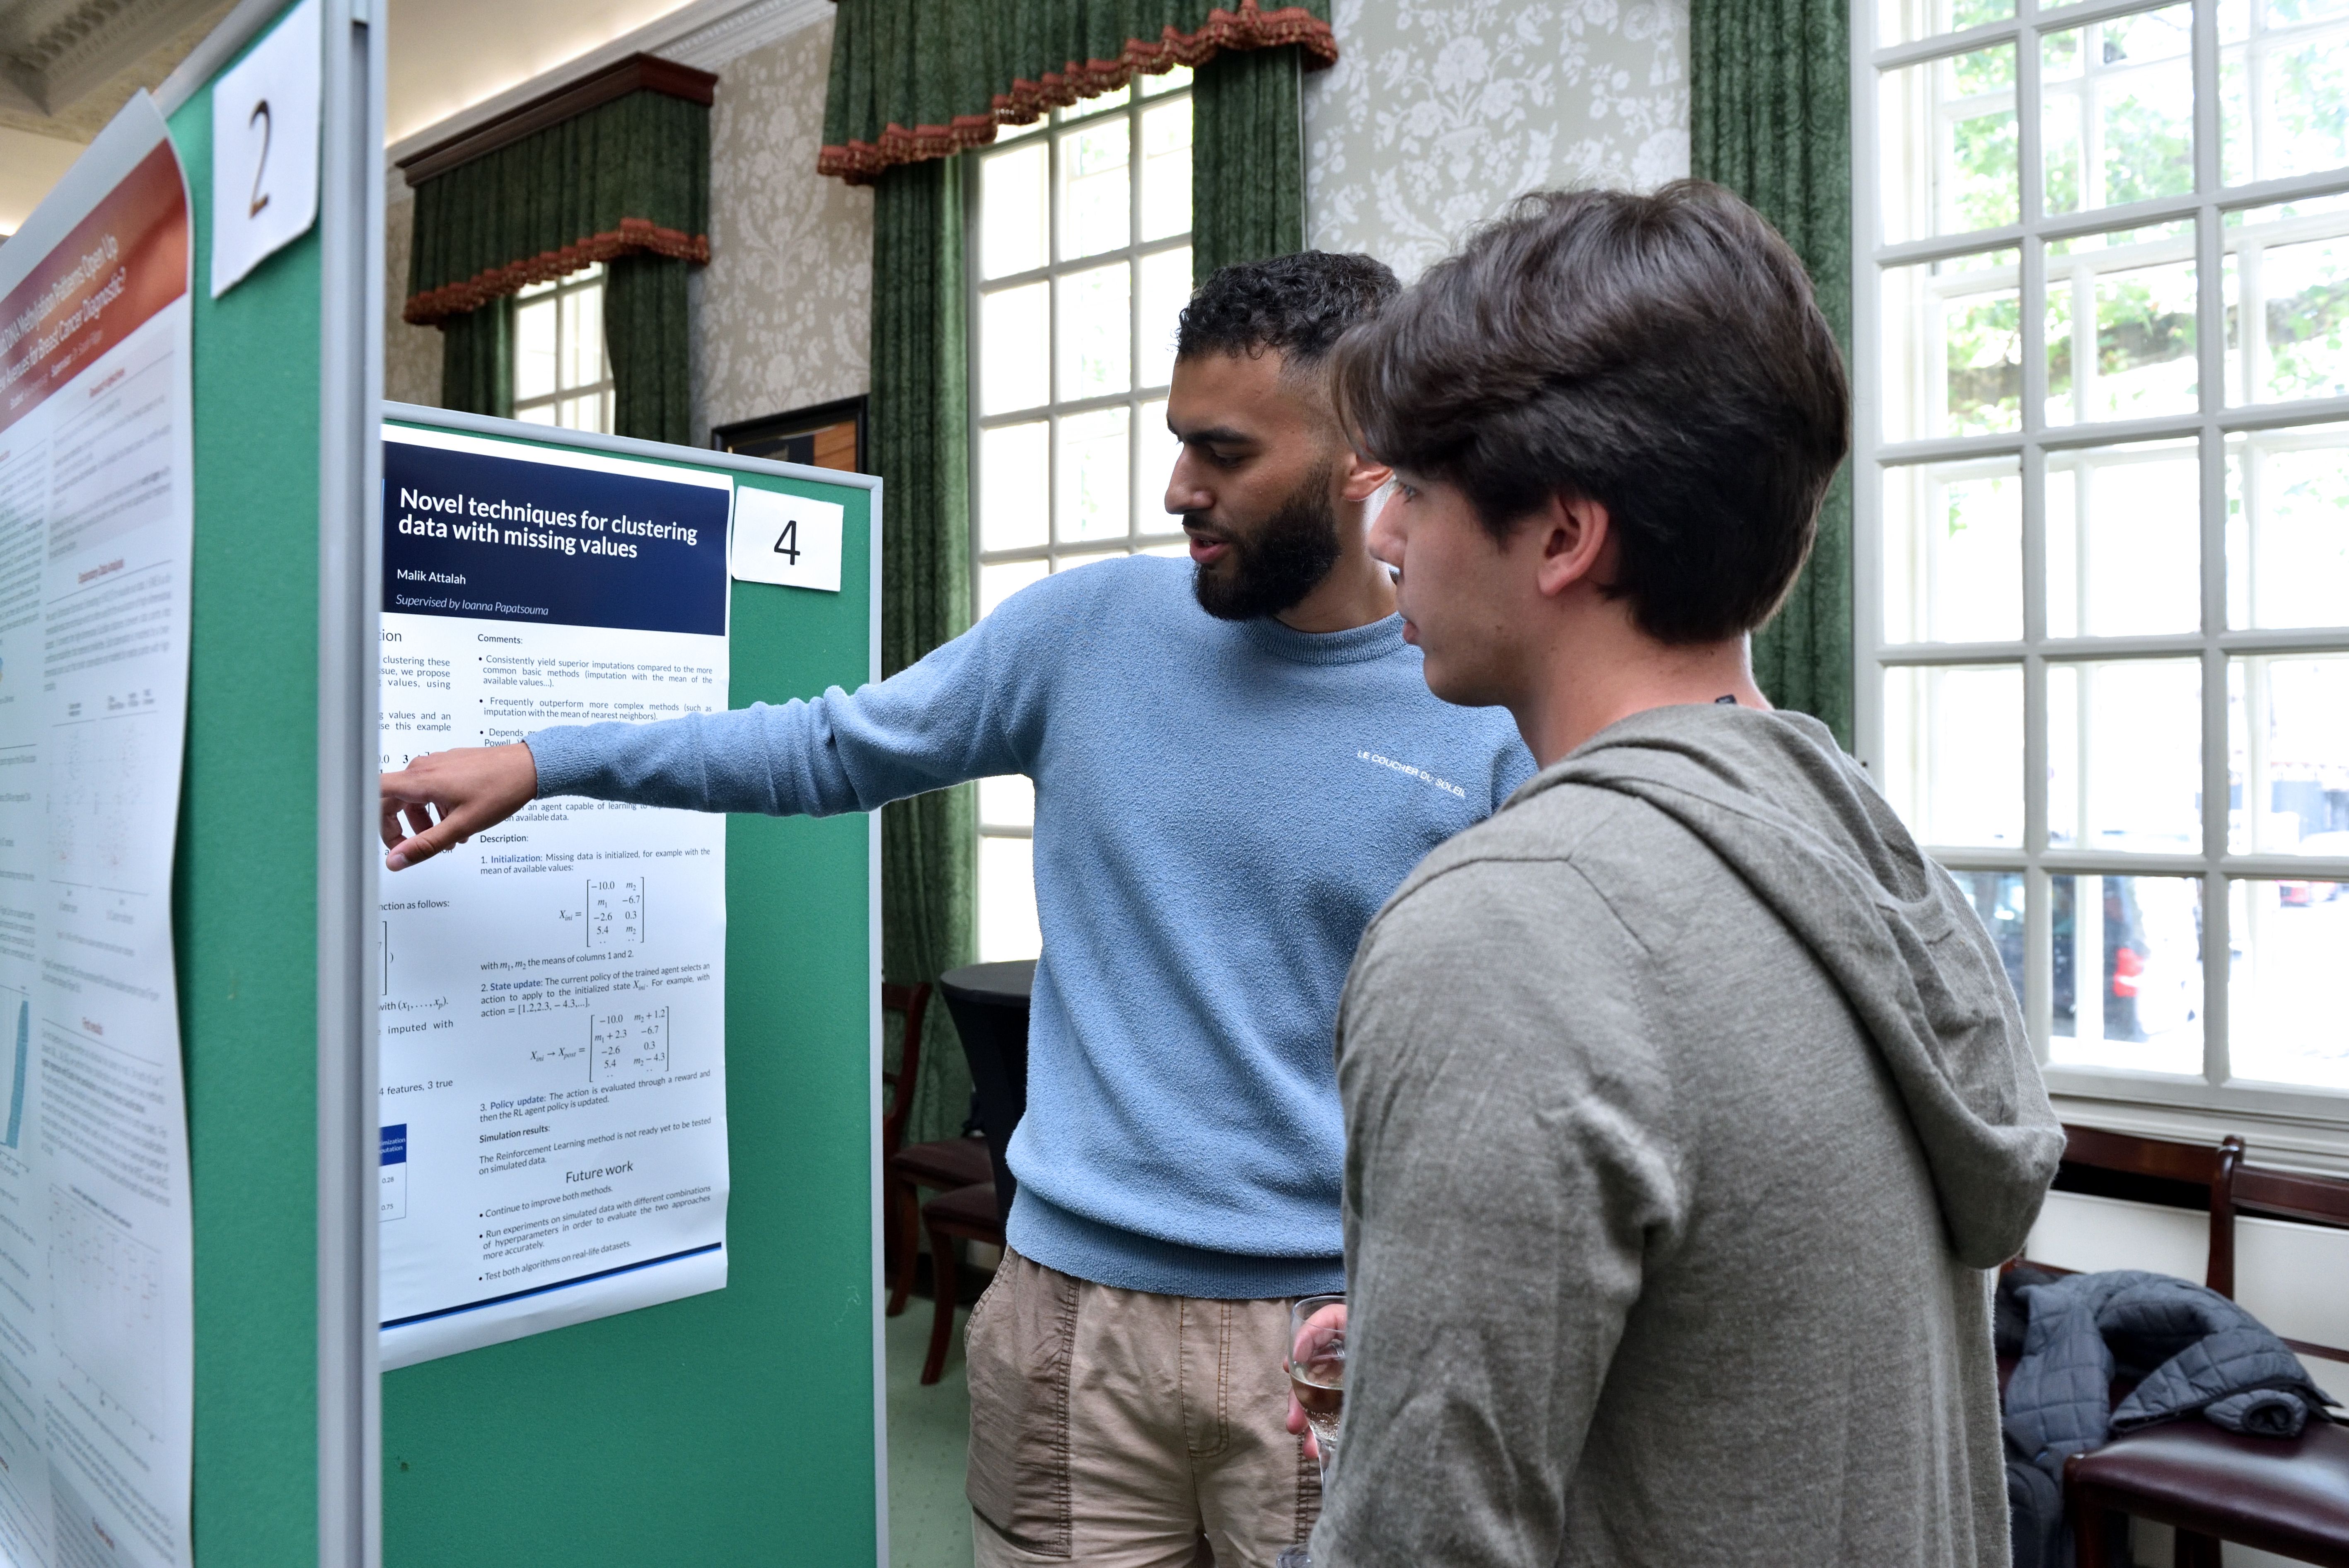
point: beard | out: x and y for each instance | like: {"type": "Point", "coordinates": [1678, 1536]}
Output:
{"type": "Point", "coordinates": [1273, 567]}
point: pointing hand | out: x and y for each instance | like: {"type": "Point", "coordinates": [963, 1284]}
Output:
{"type": "Point", "coordinates": [470, 788]}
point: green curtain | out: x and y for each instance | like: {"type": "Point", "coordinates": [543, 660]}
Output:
{"type": "Point", "coordinates": [921, 449]}
{"type": "Point", "coordinates": [625, 183]}
{"type": "Point", "coordinates": [919, 80]}
{"type": "Point", "coordinates": [647, 331]}
{"type": "Point", "coordinates": [476, 369]}
{"type": "Point", "coordinates": [1770, 117]}
{"type": "Point", "coordinates": [1248, 159]}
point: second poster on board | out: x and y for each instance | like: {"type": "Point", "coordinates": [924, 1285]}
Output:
{"type": "Point", "coordinates": [553, 1016]}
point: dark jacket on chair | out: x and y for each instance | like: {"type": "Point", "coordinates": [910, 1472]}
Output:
{"type": "Point", "coordinates": [2194, 1351]}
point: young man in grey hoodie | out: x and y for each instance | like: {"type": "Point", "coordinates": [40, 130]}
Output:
{"type": "Point", "coordinates": [1686, 1100]}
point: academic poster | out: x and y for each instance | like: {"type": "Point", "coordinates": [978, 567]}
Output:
{"type": "Point", "coordinates": [97, 1316]}
{"type": "Point", "coordinates": [553, 1018]}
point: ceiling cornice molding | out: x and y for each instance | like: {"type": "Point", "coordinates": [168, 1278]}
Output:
{"type": "Point", "coordinates": [704, 35]}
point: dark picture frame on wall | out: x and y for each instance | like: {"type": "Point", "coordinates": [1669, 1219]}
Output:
{"type": "Point", "coordinates": [822, 436]}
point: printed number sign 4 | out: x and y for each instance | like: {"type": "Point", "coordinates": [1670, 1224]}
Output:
{"type": "Point", "coordinates": [786, 539]}
{"type": "Point", "coordinates": [265, 147]}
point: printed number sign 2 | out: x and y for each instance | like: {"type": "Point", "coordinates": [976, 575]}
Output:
{"type": "Point", "coordinates": [786, 539]}
{"type": "Point", "coordinates": [265, 147]}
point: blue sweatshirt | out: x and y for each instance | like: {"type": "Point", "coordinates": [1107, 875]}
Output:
{"type": "Point", "coordinates": [1220, 808]}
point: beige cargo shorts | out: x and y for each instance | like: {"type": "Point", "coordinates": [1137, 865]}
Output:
{"type": "Point", "coordinates": [1123, 1430]}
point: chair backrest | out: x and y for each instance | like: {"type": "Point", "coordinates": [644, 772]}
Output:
{"type": "Point", "coordinates": [993, 1024]}
{"type": "Point", "coordinates": [2292, 1195]}
{"type": "Point", "coordinates": [912, 1003]}
{"type": "Point", "coordinates": [2212, 1168]}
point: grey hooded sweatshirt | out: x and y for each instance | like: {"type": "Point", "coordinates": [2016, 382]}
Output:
{"type": "Point", "coordinates": [1686, 1102]}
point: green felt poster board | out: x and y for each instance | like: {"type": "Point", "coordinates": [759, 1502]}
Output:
{"type": "Point", "coordinates": [742, 1426]}
{"type": "Point", "coordinates": [244, 904]}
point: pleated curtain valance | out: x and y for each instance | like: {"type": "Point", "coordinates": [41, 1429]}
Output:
{"type": "Point", "coordinates": [626, 176]}
{"type": "Point", "coordinates": [919, 80]}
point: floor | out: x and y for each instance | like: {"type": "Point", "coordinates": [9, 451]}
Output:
{"type": "Point", "coordinates": [930, 1433]}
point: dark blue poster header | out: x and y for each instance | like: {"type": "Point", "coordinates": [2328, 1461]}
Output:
{"type": "Point", "coordinates": [506, 539]}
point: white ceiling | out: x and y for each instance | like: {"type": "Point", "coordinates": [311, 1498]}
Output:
{"type": "Point", "coordinates": [449, 55]}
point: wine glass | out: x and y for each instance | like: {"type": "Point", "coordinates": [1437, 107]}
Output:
{"type": "Point", "coordinates": [1317, 1370]}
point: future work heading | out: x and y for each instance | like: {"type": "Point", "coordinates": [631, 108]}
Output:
{"type": "Point", "coordinates": [473, 521]}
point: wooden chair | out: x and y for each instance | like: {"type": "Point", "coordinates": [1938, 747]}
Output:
{"type": "Point", "coordinates": [993, 1024]}
{"type": "Point", "coordinates": [2288, 1496]}
{"type": "Point", "coordinates": [942, 1165]}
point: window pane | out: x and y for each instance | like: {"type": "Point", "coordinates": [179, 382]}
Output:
{"type": "Point", "coordinates": [1952, 336]}
{"type": "Point", "coordinates": [544, 414]}
{"type": "Point", "coordinates": [1174, 80]}
{"type": "Point", "coordinates": [1948, 145]}
{"type": "Point", "coordinates": [2124, 531]}
{"type": "Point", "coordinates": [1953, 552]}
{"type": "Point", "coordinates": [1153, 470]}
{"type": "Point", "coordinates": [2288, 527]}
{"type": "Point", "coordinates": [1095, 207]}
{"type": "Point", "coordinates": [2287, 288]}
{"type": "Point", "coordinates": [1166, 290]}
{"type": "Point", "coordinates": [2288, 991]}
{"type": "Point", "coordinates": [1007, 900]}
{"type": "Point", "coordinates": [583, 336]}
{"type": "Point", "coordinates": [1997, 898]}
{"type": "Point", "coordinates": [584, 413]}
{"type": "Point", "coordinates": [1014, 342]}
{"type": "Point", "coordinates": [996, 583]}
{"type": "Point", "coordinates": [1096, 104]}
{"type": "Point", "coordinates": [2288, 754]}
{"type": "Point", "coordinates": [2283, 87]}
{"type": "Point", "coordinates": [1013, 463]}
{"type": "Point", "coordinates": [533, 348]}
{"type": "Point", "coordinates": [1953, 753]}
{"type": "Point", "coordinates": [2128, 972]}
{"type": "Point", "coordinates": [1071, 562]}
{"type": "Point", "coordinates": [2121, 325]}
{"type": "Point", "coordinates": [1092, 490]}
{"type": "Point", "coordinates": [1167, 170]}
{"type": "Point", "coordinates": [1901, 21]}
{"type": "Point", "coordinates": [2117, 121]}
{"type": "Point", "coordinates": [1007, 800]}
{"type": "Point", "coordinates": [1096, 332]}
{"type": "Point", "coordinates": [1013, 211]}
{"type": "Point", "coordinates": [2124, 755]}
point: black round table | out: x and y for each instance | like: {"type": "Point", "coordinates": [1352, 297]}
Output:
{"type": "Point", "coordinates": [989, 1005]}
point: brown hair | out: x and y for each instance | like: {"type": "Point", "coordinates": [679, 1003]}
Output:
{"type": "Point", "coordinates": [1661, 354]}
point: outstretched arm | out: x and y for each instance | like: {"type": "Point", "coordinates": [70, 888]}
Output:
{"type": "Point", "coordinates": [974, 707]}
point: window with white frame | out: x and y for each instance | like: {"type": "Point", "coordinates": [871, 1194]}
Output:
{"type": "Point", "coordinates": [560, 373]}
{"type": "Point", "coordinates": [2102, 285]}
{"type": "Point", "coordinates": [1080, 262]}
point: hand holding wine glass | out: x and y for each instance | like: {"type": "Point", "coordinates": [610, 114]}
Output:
{"type": "Point", "coordinates": [1317, 1373]}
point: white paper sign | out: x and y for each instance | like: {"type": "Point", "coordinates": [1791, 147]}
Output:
{"type": "Point", "coordinates": [786, 539]}
{"type": "Point", "coordinates": [265, 148]}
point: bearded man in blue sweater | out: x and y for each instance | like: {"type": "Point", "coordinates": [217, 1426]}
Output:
{"type": "Point", "coordinates": [1235, 762]}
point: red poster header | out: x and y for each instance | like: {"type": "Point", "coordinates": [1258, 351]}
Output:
{"type": "Point", "coordinates": [123, 264]}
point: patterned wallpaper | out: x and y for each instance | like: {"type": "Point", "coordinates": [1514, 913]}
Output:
{"type": "Point", "coordinates": [1437, 114]}
{"type": "Point", "coordinates": [784, 306]}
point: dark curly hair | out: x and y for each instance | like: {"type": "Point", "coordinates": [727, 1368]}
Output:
{"type": "Point", "coordinates": [1298, 305]}
{"type": "Point", "coordinates": [1661, 355]}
